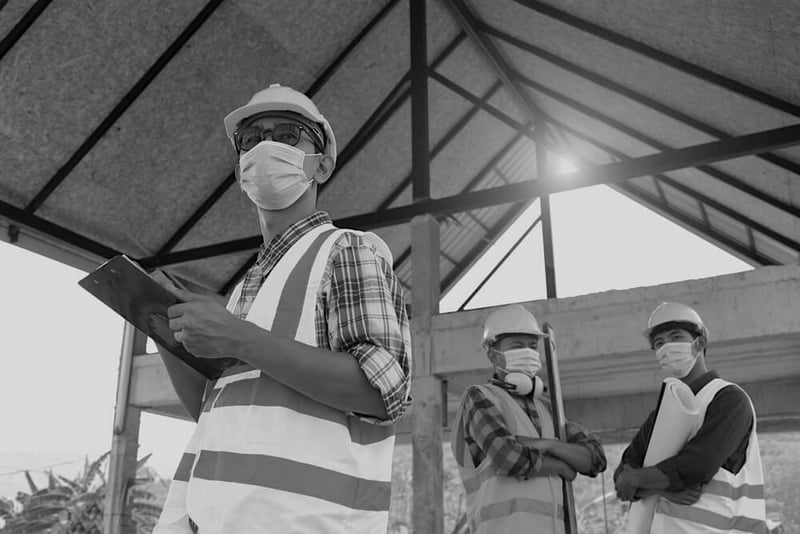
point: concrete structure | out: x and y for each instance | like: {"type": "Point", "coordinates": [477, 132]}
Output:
{"type": "Point", "coordinates": [754, 322]}
{"type": "Point", "coordinates": [609, 377]}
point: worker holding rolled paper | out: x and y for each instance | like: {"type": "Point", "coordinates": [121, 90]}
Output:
{"type": "Point", "coordinates": [504, 440]}
{"type": "Point", "coordinates": [714, 482]}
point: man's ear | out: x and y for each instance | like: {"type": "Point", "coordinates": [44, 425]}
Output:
{"type": "Point", "coordinates": [494, 357]}
{"type": "Point", "coordinates": [701, 342]}
{"type": "Point", "coordinates": [324, 169]}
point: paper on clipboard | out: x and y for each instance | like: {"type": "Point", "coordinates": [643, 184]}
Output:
{"type": "Point", "coordinates": [126, 288]}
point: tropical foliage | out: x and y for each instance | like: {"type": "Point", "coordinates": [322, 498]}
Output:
{"type": "Point", "coordinates": [76, 506]}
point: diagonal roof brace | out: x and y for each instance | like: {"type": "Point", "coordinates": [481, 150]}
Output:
{"type": "Point", "coordinates": [127, 100]}
{"type": "Point", "coordinates": [22, 26]}
{"type": "Point", "coordinates": [669, 160]}
{"type": "Point", "coordinates": [661, 56]}
{"type": "Point", "coordinates": [493, 55]}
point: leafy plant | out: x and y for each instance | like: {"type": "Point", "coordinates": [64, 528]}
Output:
{"type": "Point", "coordinates": [77, 506]}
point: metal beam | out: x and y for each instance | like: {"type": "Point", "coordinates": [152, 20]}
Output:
{"type": "Point", "coordinates": [631, 132]}
{"type": "Point", "coordinates": [514, 211]}
{"type": "Point", "coordinates": [238, 275]}
{"type": "Point", "coordinates": [620, 89]}
{"type": "Point", "coordinates": [199, 253]}
{"type": "Point", "coordinates": [23, 218]}
{"type": "Point", "coordinates": [662, 57]}
{"type": "Point", "coordinates": [492, 54]}
{"type": "Point", "coordinates": [420, 137]}
{"type": "Point", "coordinates": [389, 105]}
{"type": "Point", "coordinates": [331, 69]}
{"type": "Point", "coordinates": [440, 145]}
{"type": "Point", "coordinates": [485, 106]}
{"type": "Point", "coordinates": [315, 87]}
{"type": "Point", "coordinates": [396, 98]}
{"type": "Point", "coordinates": [500, 263]}
{"type": "Point", "coordinates": [122, 106]}
{"type": "Point", "coordinates": [603, 174]}
{"type": "Point", "coordinates": [22, 26]}
{"type": "Point", "coordinates": [198, 214]}
{"type": "Point", "coordinates": [690, 222]}
{"type": "Point", "coordinates": [503, 223]}
{"type": "Point", "coordinates": [703, 199]}
{"type": "Point", "coordinates": [614, 172]}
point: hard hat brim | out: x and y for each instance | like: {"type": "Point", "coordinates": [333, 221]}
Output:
{"type": "Point", "coordinates": [489, 341]}
{"type": "Point", "coordinates": [236, 116]}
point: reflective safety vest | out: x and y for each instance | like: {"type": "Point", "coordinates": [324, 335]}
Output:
{"type": "Point", "coordinates": [728, 502]}
{"type": "Point", "coordinates": [265, 458]}
{"type": "Point", "coordinates": [498, 504]}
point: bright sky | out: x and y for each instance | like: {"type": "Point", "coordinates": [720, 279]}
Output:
{"type": "Point", "coordinates": [60, 346]}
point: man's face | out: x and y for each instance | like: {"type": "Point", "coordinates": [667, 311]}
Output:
{"type": "Point", "coordinates": [672, 335]}
{"type": "Point", "coordinates": [516, 341]}
{"type": "Point", "coordinates": [273, 129]}
{"type": "Point", "coordinates": [510, 342]}
{"type": "Point", "coordinates": [267, 124]}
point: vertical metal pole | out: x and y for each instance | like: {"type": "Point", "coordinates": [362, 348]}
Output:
{"type": "Point", "coordinates": [124, 377]}
{"type": "Point", "coordinates": [559, 420]}
{"type": "Point", "coordinates": [420, 145]}
{"type": "Point", "coordinates": [542, 171]}
{"type": "Point", "coordinates": [124, 441]}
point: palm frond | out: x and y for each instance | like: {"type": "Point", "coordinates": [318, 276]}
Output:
{"type": "Point", "coordinates": [31, 483]}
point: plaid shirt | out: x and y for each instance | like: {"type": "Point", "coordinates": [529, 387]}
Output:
{"type": "Point", "coordinates": [360, 308]}
{"type": "Point", "coordinates": [485, 433]}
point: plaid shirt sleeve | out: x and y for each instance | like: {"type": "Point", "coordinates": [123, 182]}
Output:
{"type": "Point", "coordinates": [366, 316]}
{"type": "Point", "coordinates": [581, 436]}
{"type": "Point", "coordinates": [486, 435]}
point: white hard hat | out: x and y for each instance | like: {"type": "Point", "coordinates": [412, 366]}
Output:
{"type": "Point", "coordinates": [675, 312]}
{"type": "Point", "coordinates": [513, 319]}
{"type": "Point", "coordinates": [279, 98]}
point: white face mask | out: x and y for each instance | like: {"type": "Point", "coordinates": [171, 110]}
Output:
{"type": "Point", "coordinates": [272, 175]}
{"type": "Point", "coordinates": [521, 367]}
{"type": "Point", "coordinates": [676, 359]}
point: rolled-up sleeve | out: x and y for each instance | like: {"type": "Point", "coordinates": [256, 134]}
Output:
{"type": "Point", "coordinates": [579, 435]}
{"type": "Point", "coordinates": [367, 317]}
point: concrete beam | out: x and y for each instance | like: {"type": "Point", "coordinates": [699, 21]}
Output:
{"type": "Point", "coordinates": [609, 377]}
{"type": "Point", "coordinates": [752, 317]}
{"type": "Point", "coordinates": [151, 389]}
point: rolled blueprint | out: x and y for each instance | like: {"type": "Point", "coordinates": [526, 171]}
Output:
{"type": "Point", "coordinates": [676, 421]}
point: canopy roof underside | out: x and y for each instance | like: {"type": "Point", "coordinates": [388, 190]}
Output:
{"type": "Point", "coordinates": [111, 135]}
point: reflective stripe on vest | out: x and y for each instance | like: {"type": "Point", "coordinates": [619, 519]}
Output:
{"type": "Point", "coordinates": [502, 510]}
{"type": "Point", "coordinates": [502, 504]}
{"type": "Point", "coordinates": [704, 520]}
{"type": "Point", "coordinates": [272, 458]}
{"type": "Point", "coordinates": [728, 501]}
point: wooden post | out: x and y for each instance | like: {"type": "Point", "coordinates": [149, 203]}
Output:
{"type": "Point", "coordinates": [124, 442]}
{"type": "Point", "coordinates": [426, 421]}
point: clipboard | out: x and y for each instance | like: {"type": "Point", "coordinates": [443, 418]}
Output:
{"type": "Point", "coordinates": [122, 285]}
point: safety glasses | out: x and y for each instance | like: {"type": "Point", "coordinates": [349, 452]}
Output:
{"type": "Point", "coordinates": [287, 133]}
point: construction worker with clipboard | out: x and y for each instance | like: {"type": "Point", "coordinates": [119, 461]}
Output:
{"type": "Point", "coordinates": [514, 452]}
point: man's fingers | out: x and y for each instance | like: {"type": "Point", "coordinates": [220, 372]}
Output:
{"type": "Point", "coordinates": [177, 324]}
{"type": "Point", "coordinates": [179, 336]}
{"type": "Point", "coordinates": [176, 310]}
